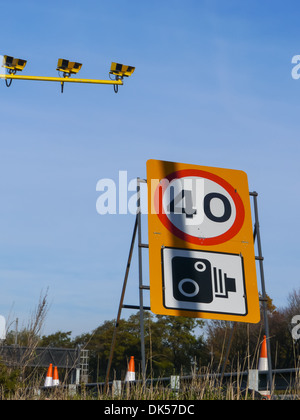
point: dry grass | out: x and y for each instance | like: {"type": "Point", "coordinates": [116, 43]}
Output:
{"type": "Point", "coordinates": [26, 383]}
{"type": "Point", "coordinates": [197, 388]}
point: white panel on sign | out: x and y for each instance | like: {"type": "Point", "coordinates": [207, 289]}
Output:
{"type": "Point", "coordinates": [204, 281]}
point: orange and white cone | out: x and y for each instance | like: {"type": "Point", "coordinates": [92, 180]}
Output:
{"type": "Point", "coordinates": [263, 359]}
{"type": "Point", "coordinates": [130, 375]}
{"type": "Point", "coordinates": [263, 364]}
{"type": "Point", "coordinates": [55, 377]}
{"type": "Point", "coordinates": [49, 377]}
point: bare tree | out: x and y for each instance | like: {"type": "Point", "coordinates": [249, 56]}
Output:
{"type": "Point", "coordinates": [34, 328]}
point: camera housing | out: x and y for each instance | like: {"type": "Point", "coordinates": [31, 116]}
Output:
{"type": "Point", "coordinates": [68, 67]}
{"type": "Point", "coordinates": [120, 70]}
{"type": "Point", "coordinates": [13, 64]}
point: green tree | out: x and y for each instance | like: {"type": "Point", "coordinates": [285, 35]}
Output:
{"type": "Point", "coordinates": [9, 380]}
{"type": "Point", "coordinates": [22, 338]}
{"type": "Point", "coordinates": [59, 339]}
{"type": "Point", "coordinates": [244, 351]}
{"type": "Point", "coordinates": [247, 339]}
{"type": "Point", "coordinates": [181, 346]}
{"type": "Point", "coordinates": [170, 345]}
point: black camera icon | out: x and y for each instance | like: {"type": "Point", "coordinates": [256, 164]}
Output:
{"type": "Point", "coordinates": [196, 280]}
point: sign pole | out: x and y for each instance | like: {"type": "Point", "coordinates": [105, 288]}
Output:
{"type": "Point", "coordinates": [142, 332]}
{"type": "Point", "coordinates": [137, 232]}
{"type": "Point", "coordinates": [113, 343]}
{"type": "Point", "coordinates": [263, 286]}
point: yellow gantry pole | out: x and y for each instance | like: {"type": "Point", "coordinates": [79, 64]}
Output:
{"type": "Point", "coordinates": [61, 79]}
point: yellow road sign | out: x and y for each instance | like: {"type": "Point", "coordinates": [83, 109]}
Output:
{"type": "Point", "coordinates": [201, 249]}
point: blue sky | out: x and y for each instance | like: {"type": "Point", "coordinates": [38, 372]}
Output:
{"type": "Point", "coordinates": [212, 87]}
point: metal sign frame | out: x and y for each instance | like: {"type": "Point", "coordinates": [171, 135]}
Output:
{"type": "Point", "coordinates": [137, 231]}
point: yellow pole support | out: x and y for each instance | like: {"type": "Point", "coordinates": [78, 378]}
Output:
{"type": "Point", "coordinates": [61, 79]}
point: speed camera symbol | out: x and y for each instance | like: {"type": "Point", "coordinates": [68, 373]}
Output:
{"type": "Point", "coordinates": [197, 280]}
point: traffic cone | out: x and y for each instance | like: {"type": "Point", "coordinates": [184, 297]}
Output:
{"type": "Point", "coordinates": [263, 359]}
{"type": "Point", "coordinates": [55, 377]}
{"type": "Point", "coordinates": [130, 375]}
{"type": "Point", "coordinates": [49, 378]}
{"type": "Point", "coordinates": [263, 365]}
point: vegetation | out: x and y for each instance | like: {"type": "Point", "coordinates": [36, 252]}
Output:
{"type": "Point", "coordinates": [174, 345]}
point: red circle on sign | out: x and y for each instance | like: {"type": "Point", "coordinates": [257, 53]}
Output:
{"type": "Point", "coordinates": [225, 237]}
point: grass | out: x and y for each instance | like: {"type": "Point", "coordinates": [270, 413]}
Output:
{"type": "Point", "coordinates": [24, 383]}
{"type": "Point", "coordinates": [197, 388]}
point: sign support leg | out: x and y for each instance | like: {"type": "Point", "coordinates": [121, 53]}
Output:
{"type": "Point", "coordinates": [142, 330]}
{"type": "Point", "coordinates": [137, 231]}
{"type": "Point", "coordinates": [263, 287]}
{"type": "Point", "coordinates": [121, 304]}
{"type": "Point", "coordinates": [264, 298]}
